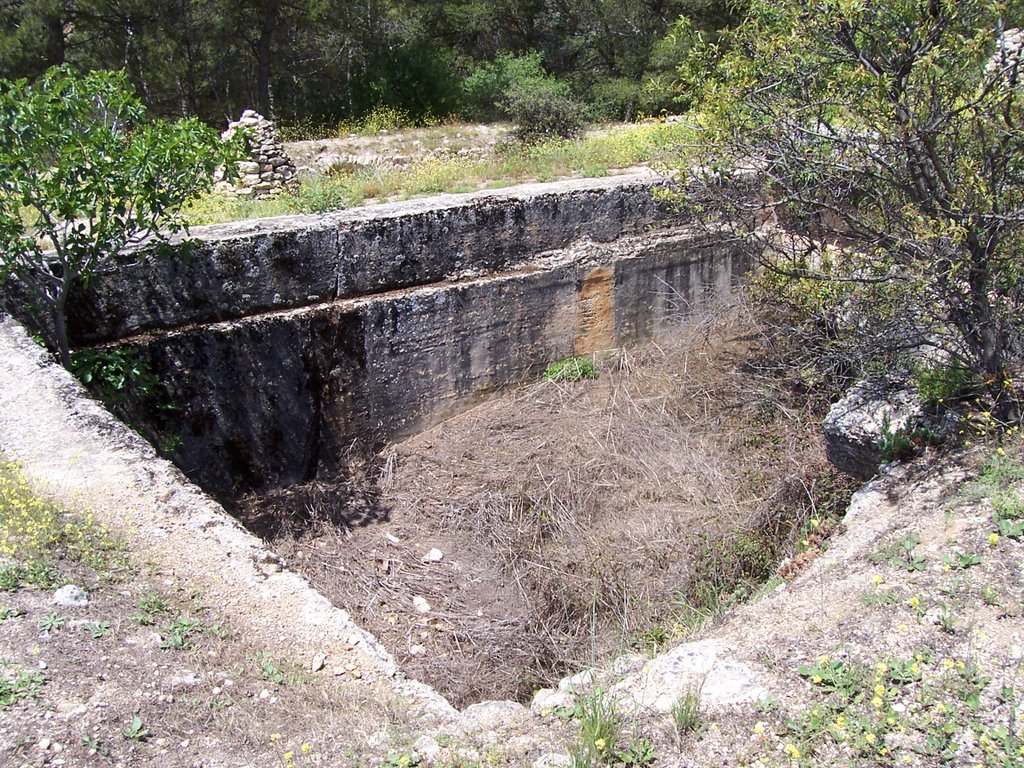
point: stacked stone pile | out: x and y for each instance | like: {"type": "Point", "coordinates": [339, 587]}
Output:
{"type": "Point", "coordinates": [268, 170]}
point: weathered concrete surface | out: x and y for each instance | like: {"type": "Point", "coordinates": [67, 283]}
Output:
{"type": "Point", "coordinates": [284, 343]}
{"type": "Point", "coordinates": [282, 398]}
{"type": "Point", "coordinates": [238, 270]}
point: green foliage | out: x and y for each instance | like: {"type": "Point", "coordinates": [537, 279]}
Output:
{"type": "Point", "coordinates": [179, 633]}
{"type": "Point", "coordinates": [600, 730]}
{"type": "Point", "coordinates": [36, 535]}
{"type": "Point", "coordinates": [410, 77]}
{"type": "Point", "coordinates": [85, 176]}
{"type": "Point", "coordinates": [945, 383]}
{"type": "Point", "coordinates": [51, 622]}
{"type": "Point", "coordinates": [23, 685]}
{"type": "Point", "coordinates": [489, 83]}
{"type": "Point", "coordinates": [541, 110]}
{"type": "Point", "coordinates": [135, 730]}
{"type": "Point", "coordinates": [900, 553]}
{"type": "Point", "coordinates": [686, 714]}
{"type": "Point", "coordinates": [571, 369]}
{"type": "Point", "coordinates": [882, 126]}
{"type": "Point", "coordinates": [98, 629]}
{"type": "Point", "coordinates": [117, 374]}
{"type": "Point", "coordinates": [638, 754]}
{"type": "Point", "coordinates": [904, 442]}
{"type": "Point", "coordinates": [729, 569]}
{"type": "Point", "coordinates": [380, 118]}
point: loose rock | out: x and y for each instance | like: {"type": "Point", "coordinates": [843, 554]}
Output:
{"type": "Point", "coordinates": [71, 596]}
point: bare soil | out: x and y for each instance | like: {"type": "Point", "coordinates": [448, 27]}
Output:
{"type": "Point", "coordinates": [566, 515]}
{"type": "Point", "coordinates": [216, 699]}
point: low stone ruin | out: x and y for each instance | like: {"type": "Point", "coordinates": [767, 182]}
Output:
{"type": "Point", "coordinates": [268, 170]}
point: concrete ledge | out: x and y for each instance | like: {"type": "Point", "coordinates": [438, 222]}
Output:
{"type": "Point", "coordinates": [73, 450]}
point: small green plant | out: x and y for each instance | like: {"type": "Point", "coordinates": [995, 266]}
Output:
{"type": "Point", "coordinates": [150, 605]}
{"type": "Point", "coordinates": [834, 675]}
{"type": "Point", "coordinates": [25, 684]}
{"type": "Point", "coordinates": [571, 369]}
{"type": "Point", "coordinates": [94, 744]}
{"type": "Point", "coordinates": [904, 443]}
{"type": "Point", "coordinates": [180, 632]}
{"type": "Point", "coordinates": [7, 612]}
{"type": "Point", "coordinates": [51, 622]}
{"type": "Point", "coordinates": [270, 673]}
{"type": "Point", "coordinates": [600, 728]}
{"type": "Point", "coordinates": [218, 631]}
{"type": "Point", "coordinates": [884, 598]}
{"type": "Point", "coordinates": [989, 595]}
{"type": "Point", "coordinates": [686, 714]}
{"type": "Point", "coordinates": [959, 561]}
{"type": "Point", "coordinates": [135, 730]}
{"type": "Point", "coordinates": [767, 704]}
{"type": "Point", "coordinates": [98, 630]}
{"type": "Point", "coordinates": [947, 621]}
{"type": "Point", "coordinates": [1008, 504]}
{"type": "Point", "coordinates": [901, 554]}
{"type": "Point", "coordinates": [638, 755]}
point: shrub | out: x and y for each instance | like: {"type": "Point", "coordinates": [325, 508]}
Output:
{"type": "Point", "coordinates": [544, 109]}
{"type": "Point", "coordinates": [380, 118]}
{"type": "Point", "coordinates": [488, 84]}
{"type": "Point", "coordinates": [939, 383]}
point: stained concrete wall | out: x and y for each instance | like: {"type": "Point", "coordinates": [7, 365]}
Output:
{"type": "Point", "coordinates": [284, 397]}
{"type": "Point", "coordinates": [287, 344]}
{"type": "Point", "coordinates": [238, 270]}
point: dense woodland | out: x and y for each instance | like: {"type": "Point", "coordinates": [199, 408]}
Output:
{"type": "Point", "coordinates": [317, 62]}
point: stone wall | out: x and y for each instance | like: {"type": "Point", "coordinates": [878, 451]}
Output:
{"type": "Point", "coordinates": [283, 397]}
{"type": "Point", "coordinates": [237, 270]}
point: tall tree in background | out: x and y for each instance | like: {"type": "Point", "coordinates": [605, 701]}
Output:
{"type": "Point", "coordinates": [328, 59]}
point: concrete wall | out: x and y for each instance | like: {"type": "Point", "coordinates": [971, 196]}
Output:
{"type": "Point", "coordinates": [238, 270]}
{"type": "Point", "coordinates": [287, 344]}
{"type": "Point", "coordinates": [285, 397]}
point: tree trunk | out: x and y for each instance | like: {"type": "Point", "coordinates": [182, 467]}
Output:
{"type": "Point", "coordinates": [56, 42]}
{"type": "Point", "coordinates": [60, 335]}
{"type": "Point", "coordinates": [264, 57]}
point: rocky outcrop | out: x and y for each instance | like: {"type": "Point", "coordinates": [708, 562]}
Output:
{"type": "Point", "coordinates": [267, 171]}
{"type": "Point", "coordinates": [856, 424]}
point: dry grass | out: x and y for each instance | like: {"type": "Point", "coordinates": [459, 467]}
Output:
{"type": "Point", "coordinates": [577, 521]}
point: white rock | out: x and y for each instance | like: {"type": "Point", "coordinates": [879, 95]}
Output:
{"type": "Point", "coordinates": [428, 749]}
{"type": "Point", "coordinates": [71, 596]}
{"type": "Point", "coordinates": [421, 604]}
{"type": "Point", "coordinates": [702, 665]}
{"type": "Point", "coordinates": [433, 556]}
{"type": "Point", "coordinates": [492, 715]}
{"type": "Point", "coordinates": [549, 700]}
{"type": "Point", "coordinates": [577, 682]}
